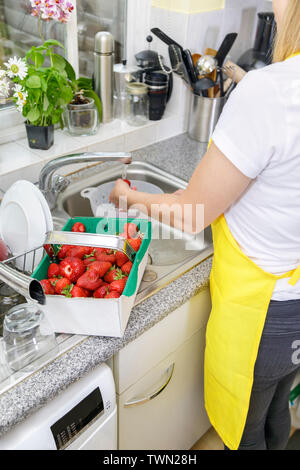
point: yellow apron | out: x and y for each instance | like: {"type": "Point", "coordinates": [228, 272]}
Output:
{"type": "Point", "coordinates": [241, 292]}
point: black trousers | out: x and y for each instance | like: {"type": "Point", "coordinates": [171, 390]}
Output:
{"type": "Point", "coordinates": [268, 421]}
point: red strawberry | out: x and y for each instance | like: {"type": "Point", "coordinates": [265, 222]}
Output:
{"type": "Point", "coordinates": [63, 286]}
{"type": "Point", "coordinates": [78, 227]}
{"type": "Point", "coordinates": [101, 267]}
{"type": "Point", "coordinates": [110, 257]}
{"type": "Point", "coordinates": [126, 268]}
{"type": "Point", "coordinates": [78, 251]}
{"type": "Point", "coordinates": [79, 292]}
{"type": "Point", "coordinates": [49, 250]}
{"type": "Point", "coordinates": [135, 243]}
{"type": "Point", "coordinates": [88, 261]}
{"type": "Point", "coordinates": [47, 286]}
{"type": "Point", "coordinates": [112, 295]}
{"type": "Point", "coordinates": [71, 268]}
{"type": "Point", "coordinates": [121, 258]}
{"type": "Point", "coordinates": [127, 181]}
{"type": "Point", "coordinates": [113, 274]}
{"type": "Point", "coordinates": [130, 230]}
{"type": "Point", "coordinates": [90, 280]}
{"type": "Point", "coordinates": [53, 270]}
{"type": "Point", "coordinates": [101, 292]}
{"type": "Point", "coordinates": [119, 285]}
{"type": "Point", "coordinates": [62, 253]}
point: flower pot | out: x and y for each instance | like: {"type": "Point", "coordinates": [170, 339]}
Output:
{"type": "Point", "coordinates": [40, 137]}
{"type": "Point", "coordinates": [81, 119]}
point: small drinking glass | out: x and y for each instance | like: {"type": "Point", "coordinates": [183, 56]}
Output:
{"type": "Point", "coordinates": [26, 335]}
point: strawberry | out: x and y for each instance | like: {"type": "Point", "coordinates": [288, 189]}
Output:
{"type": "Point", "coordinates": [101, 292]}
{"type": "Point", "coordinates": [118, 285]}
{"type": "Point", "coordinates": [78, 251]}
{"type": "Point", "coordinates": [63, 286]}
{"type": "Point", "coordinates": [101, 267]}
{"type": "Point", "coordinates": [112, 295]}
{"type": "Point", "coordinates": [90, 280]}
{"type": "Point", "coordinates": [62, 253]}
{"type": "Point", "coordinates": [47, 287]}
{"type": "Point", "coordinates": [126, 181]}
{"type": "Point", "coordinates": [79, 292]}
{"type": "Point", "coordinates": [113, 274]}
{"type": "Point", "coordinates": [121, 258]}
{"type": "Point", "coordinates": [126, 268]}
{"type": "Point", "coordinates": [88, 261]}
{"type": "Point", "coordinates": [78, 227]}
{"type": "Point", "coordinates": [49, 250]}
{"type": "Point", "coordinates": [135, 243]}
{"type": "Point", "coordinates": [110, 257]}
{"type": "Point", "coordinates": [53, 270]}
{"type": "Point", "coordinates": [71, 268]}
{"type": "Point", "coordinates": [130, 230]}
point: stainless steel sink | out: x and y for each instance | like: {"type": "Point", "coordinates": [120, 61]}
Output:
{"type": "Point", "coordinates": [171, 252]}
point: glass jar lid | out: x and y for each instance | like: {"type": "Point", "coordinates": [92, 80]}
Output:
{"type": "Point", "coordinates": [137, 88]}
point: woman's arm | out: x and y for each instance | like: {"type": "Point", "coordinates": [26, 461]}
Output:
{"type": "Point", "coordinates": [215, 185]}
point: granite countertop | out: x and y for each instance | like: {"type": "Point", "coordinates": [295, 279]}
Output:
{"type": "Point", "coordinates": [179, 156]}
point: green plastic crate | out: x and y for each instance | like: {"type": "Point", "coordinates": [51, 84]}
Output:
{"type": "Point", "coordinates": [89, 316]}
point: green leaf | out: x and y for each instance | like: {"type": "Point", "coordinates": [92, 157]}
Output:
{"type": "Point", "coordinates": [58, 62]}
{"type": "Point", "coordinates": [45, 103]}
{"type": "Point", "coordinates": [53, 42]}
{"type": "Point", "coordinates": [70, 71]}
{"type": "Point", "coordinates": [33, 115]}
{"type": "Point", "coordinates": [92, 94]}
{"type": "Point", "coordinates": [33, 82]}
{"type": "Point", "coordinates": [38, 59]}
{"type": "Point", "coordinates": [84, 83]}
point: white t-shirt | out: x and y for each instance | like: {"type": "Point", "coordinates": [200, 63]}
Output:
{"type": "Point", "coordinates": [259, 132]}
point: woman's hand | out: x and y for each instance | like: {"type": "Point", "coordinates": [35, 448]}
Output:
{"type": "Point", "coordinates": [121, 189]}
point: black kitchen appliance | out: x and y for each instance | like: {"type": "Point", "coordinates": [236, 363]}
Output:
{"type": "Point", "coordinates": [261, 54]}
{"type": "Point", "coordinates": [159, 79]}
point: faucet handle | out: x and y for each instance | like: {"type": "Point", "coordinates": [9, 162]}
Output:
{"type": "Point", "coordinates": [59, 183]}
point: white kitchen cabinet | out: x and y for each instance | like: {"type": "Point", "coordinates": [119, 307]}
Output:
{"type": "Point", "coordinates": [165, 363]}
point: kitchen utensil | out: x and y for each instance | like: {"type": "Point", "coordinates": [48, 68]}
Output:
{"type": "Point", "coordinates": [103, 72]}
{"type": "Point", "coordinates": [203, 117]}
{"type": "Point", "coordinates": [234, 72]}
{"type": "Point", "coordinates": [123, 75]}
{"type": "Point", "coordinates": [24, 219]}
{"type": "Point", "coordinates": [195, 58]}
{"type": "Point", "coordinates": [99, 196]}
{"type": "Point", "coordinates": [26, 335]}
{"type": "Point", "coordinates": [165, 38]}
{"type": "Point", "coordinates": [113, 242]}
{"type": "Point", "coordinates": [208, 63]}
{"type": "Point", "coordinates": [204, 84]}
{"type": "Point", "coordinates": [213, 75]}
{"type": "Point", "coordinates": [227, 85]}
{"type": "Point", "coordinates": [8, 298]}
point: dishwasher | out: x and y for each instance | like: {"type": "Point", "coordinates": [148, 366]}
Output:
{"type": "Point", "coordinates": [82, 417]}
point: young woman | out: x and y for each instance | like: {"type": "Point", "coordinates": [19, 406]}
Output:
{"type": "Point", "coordinates": [249, 183]}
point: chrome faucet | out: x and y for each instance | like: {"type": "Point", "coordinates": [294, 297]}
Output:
{"type": "Point", "coordinates": [51, 185]}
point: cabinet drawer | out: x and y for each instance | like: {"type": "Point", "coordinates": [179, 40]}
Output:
{"type": "Point", "coordinates": [134, 360]}
{"type": "Point", "coordinates": [175, 417]}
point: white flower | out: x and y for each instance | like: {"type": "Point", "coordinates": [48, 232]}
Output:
{"type": "Point", "coordinates": [18, 88]}
{"type": "Point", "coordinates": [2, 73]}
{"type": "Point", "coordinates": [21, 95]}
{"type": "Point", "coordinates": [4, 88]}
{"type": "Point", "coordinates": [16, 68]}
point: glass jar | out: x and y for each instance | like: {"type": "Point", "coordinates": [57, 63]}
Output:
{"type": "Point", "coordinates": [137, 108]}
{"type": "Point", "coordinates": [27, 335]}
{"type": "Point", "coordinates": [82, 119]}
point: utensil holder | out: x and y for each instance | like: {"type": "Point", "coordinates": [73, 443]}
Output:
{"type": "Point", "coordinates": [203, 116]}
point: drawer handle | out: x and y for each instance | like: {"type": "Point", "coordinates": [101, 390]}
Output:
{"type": "Point", "coordinates": [141, 401]}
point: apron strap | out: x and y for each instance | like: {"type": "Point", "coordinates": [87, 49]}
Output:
{"type": "Point", "coordinates": [295, 277]}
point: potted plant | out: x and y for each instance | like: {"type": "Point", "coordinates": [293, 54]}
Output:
{"type": "Point", "coordinates": [83, 113]}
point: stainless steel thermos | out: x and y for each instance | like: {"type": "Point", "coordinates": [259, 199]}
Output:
{"type": "Point", "coordinates": [103, 72]}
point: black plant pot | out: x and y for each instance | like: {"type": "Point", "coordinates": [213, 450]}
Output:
{"type": "Point", "coordinates": [40, 137]}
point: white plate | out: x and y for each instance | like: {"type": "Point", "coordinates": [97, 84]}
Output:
{"type": "Point", "coordinates": [46, 209]}
{"type": "Point", "coordinates": [23, 223]}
